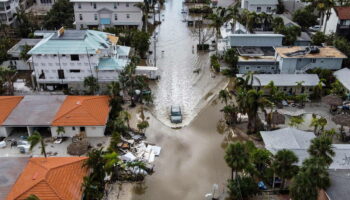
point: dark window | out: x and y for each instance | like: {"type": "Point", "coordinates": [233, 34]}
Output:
{"type": "Point", "coordinates": [115, 5]}
{"type": "Point", "coordinates": [116, 17]}
{"type": "Point", "coordinates": [74, 70]}
{"type": "Point", "coordinates": [42, 75]}
{"type": "Point", "coordinates": [258, 9]}
{"type": "Point", "coordinates": [95, 5]}
{"type": "Point", "coordinates": [74, 57]}
{"type": "Point", "coordinates": [127, 4]}
{"type": "Point", "coordinates": [79, 5]}
{"type": "Point", "coordinates": [80, 16]}
{"type": "Point", "coordinates": [60, 74]}
{"type": "Point", "coordinates": [73, 128]}
{"type": "Point", "coordinates": [82, 129]}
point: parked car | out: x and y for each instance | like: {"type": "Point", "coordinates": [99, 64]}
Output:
{"type": "Point", "coordinates": [315, 28]}
{"type": "Point", "coordinates": [175, 114]}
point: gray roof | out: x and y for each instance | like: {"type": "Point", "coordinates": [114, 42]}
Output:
{"type": "Point", "coordinates": [304, 37]}
{"type": "Point", "coordinates": [343, 75]}
{"type": "Point", "coordinates": [35, 110]}
{"type": "Point", "coordinates": [17, 48]}
{"type": "Point", "coordinates": [10, 169]}
{"type": "Point", "coordinates": [263, 2]}
{"type": "Point", "coordinates": [287, 138]}
{"type": "Point", "coordinates": [340, 181]}
{"type": "Point", "coordinates": [285, 79]}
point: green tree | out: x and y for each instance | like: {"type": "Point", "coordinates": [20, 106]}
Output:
{"type": "Point", "coordinates": [255, 101]}
{"type": "Point", "coordinates": [321, 147]}
{"type": "Point", "coordinates": [295, 121]}
{"type": "Point", "coordinates": [60, 15]}
{"type": "Point", "coordinates": [231, 58]}
{"type": "Point", "coordinates": [284, 165]}
{"type": "Point", "coordinates": [242, 187]}
{"type": "Point", "coordinates": [144, 6]}
{"type": "Point", "coordinates": [35, 139]}
{"type": "Point", "coordinates": [140, 42]}
{"type": "Point", "coordinates": [230, 113]}
{"type": "Point", "coordinates": [262, 161]}
{"type": "Point", "coordinates": [338, 89]}
{"type": "Point", "coordinates": [125, 116]}
{"type": "Point", "coordinates": [142, 126]}
{"type": "Point", "coordinates": [305, 18]}
{"type": "Point", "coordinates": [25, 26]}
{"type": "Point", "coordinates": [32, 197]}
{"type": "Point", "coordinates": [91, 83]}
{"type": "Point", "coordinates": [302, 188]}
{"type": "Point", "coordinates": [111, 161]}
{"type": "Point", "coordinates": [24, 52]}
{"type": "Point", "coordinates": [60, 130]}
{"type": "Point", "coordinates": [225, 96]}
{"type": "Point", "coordinates": [318, 38]}
{"type": "Point", "coordinates": [237, 157]}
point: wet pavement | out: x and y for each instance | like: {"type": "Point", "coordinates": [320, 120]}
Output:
{"type": "Point", "coordinates": [177, 59]}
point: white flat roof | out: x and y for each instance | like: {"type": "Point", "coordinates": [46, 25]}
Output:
{"type": "Point", "coordinates": [284, 79]}
{"type": "Point", "coordinates": [343, 75]}
{"type": "Point", "coordinates": [150, 68]}
{"type": "Point", "coordinates": [118, 1]}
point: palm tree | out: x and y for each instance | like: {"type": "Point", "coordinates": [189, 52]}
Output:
{"type": "Point", "coordinates": [32, 197]}
{"type": "Point", "coordinates": [114, 89]}
{"type": "Point", "coordinates": [91, 83]}
{"type": "Point", "coordinates": [237, 157]}
{"type": "Point", "coordinates": [318, 89]}
{"type": "Point", "coordinates": [224, 95]}
{"type": "Point", "coordinates": [255, 101]}
{"type": "Point", "coordinates": [111, 161]}
{"type": "Point", "coordinates": [142, 126]}
{"type": "Point", "coordinates": [230, 112]}
{"type": "Point", "coordinates": [218, 19]}
{"type": "Point", "coordinates": [284, 165]}
{"type": "Point", "coordinates": [144, 6]}
{"type": "Point", "coordinates": [295, 121]}
{"type": "Point", "coordinates": [60, 130]}
{"type": "Point", "coordinates": [321, 147]}
{"type": "Point", "coordinates": [125, 116]}
{"type": "Point", "coordinates": [35, 139]}
{"type": "Point", "coordinates": [7, 75]}
{"type": "Point", "coordinates": [302, 188]}
{"type": "Point", "coordinates": [91, 191]}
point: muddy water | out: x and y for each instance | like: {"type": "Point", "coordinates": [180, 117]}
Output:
{"type": "Point", "coordinates": [177, 60]}
{"type": "Point", "coordinates": [191, 161]}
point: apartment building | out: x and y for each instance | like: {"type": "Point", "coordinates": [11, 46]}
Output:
{"type": "Point", "coordinates": [99, 14]}
{"type": "Point", "coordinates": [67, 57]}
{"type": "Point", "coordinates": [7, 10]}
{"type": "Point", "coordinates": [260, 6]}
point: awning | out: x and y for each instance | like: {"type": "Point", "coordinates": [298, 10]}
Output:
{"type": "Point", "coordinates": [105, 21]}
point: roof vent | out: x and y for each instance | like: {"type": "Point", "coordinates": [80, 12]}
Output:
{"type": "Point", "coordinates": [60, 32]}
{"type": "Point", "coordinates": [35, 176]}
{"type": "Point", "coordinates": [78, 102]}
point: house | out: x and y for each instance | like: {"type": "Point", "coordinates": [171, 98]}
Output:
{"type": "Point", "coordinates": [299, 141]}
{"type": "Point", "coordinates": [51, 178]}
{"type": "Point", "coordinates": [338, 22]}
{"type": "Point", "coordinates": [297, 59]}
{"type": "Point", "coordinates": [10, 169]}
{"type": "Point", "coordinates": [259, 6]}
{"type": "Point", "coordinates": [290, 84]}
{"type": "Point", "coordinates": [343, 76]}
{"type": "Point", "coordinates": [8, 9]}
{"type": "Point", "coordinates": [100, 14]}
{"type": "Point", "coordinates": [45, 113]}
{"type": "Point", "coordinates": [64, 58]}
{"type": "Point", "coordinates": [15, 52]}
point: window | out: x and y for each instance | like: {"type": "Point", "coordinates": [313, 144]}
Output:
{"type": "Point", "coordinates": [127, 16]}
{"type": "Point", "coordinates": [42, 75]}
{"type": "Point", "coordinates": [115, 17]}
{"type": "Point", "coordinates": [127, 4]}
{"type": "Point", "coordinates": [95, 16]}
{"type": "Point", "coordinates": [258, 9]}
{"type": "Point", "coordinates": [73, 128]}
{"type": "Point", "coordinates": [268, 9]}
{"type": "Point", "coordinates": [74, 71]}
{"type": "Point", "coordinates": [81, 26]}
{"type": "Point", "coordinates": [95, 6]}
{"type": "Point", "coordinates": [79, 5]}
{"type": "Point", "coordinates": [313, 60]}
{"type": "Point", "coordinates": [74, 57]}
{"type": "Point", "coordinates": [81, 16]}
{"type": "Point", "coordinates": [60, 74]}
{"type": "Point", "coordinates": [115, 5]}
{"type": "Point", "coordinates": [82, 129]}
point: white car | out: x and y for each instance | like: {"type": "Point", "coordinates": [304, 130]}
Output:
{"type": "Point", "coordinates": [315, 28]}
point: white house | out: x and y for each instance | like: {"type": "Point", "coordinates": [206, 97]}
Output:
{"type": "Point", "coordinates": [66, 57]}
{"type": "Point", "coordinates": [299, 59]}
{"type": "Point", "coordinates": [7, 10]}
{"type": "Point", "coordinates": [259, 6]}
{"type": "Point", "coordinates": [99, 14]}
{"type": "Point", "coordinates": [338, 22]}
{"type": "Point", "coordinates": [286, 83]}
{"type": "Point", "coordinates": [343, 76]}
{"type": "Point", "coordinates": [45, 113]}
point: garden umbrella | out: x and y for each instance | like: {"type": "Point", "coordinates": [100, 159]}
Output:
{"type": "Point", "coordinates": [342, 120]}
{"type": "Point", "coordinates": [332, 100]}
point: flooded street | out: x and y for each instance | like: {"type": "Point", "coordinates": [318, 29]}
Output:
{"type": "Point", "coordinates": [177, 59]}
{"type": "Point", "coordinates": [191, 161]}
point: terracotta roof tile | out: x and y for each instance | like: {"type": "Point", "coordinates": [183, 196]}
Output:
{"type": "Point", "coordinates": [83, 110]}
{"type": "Point", "coordinates": [343, 12]}
{"type": "Point", "coordinates": [52, 178]}
{"type": "Point", "coordinates": [7, 104]}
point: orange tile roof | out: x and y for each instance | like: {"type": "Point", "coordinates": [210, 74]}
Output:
{"type": "Point", "coordinates": [52, 178]}
{"type": "Point", "coordinates": [83, 111]}
{"type": "Point", "coordinates": [7, 104]}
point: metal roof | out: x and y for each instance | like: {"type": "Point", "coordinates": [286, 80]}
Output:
{"type": "Point", "coordinates": [285, 79]}
{"type": "Point", "coordinates": [120, 1]}
{"type": "Point", "coordinates": [35, 110]}
{"type": "Point", "coordinates": [263, 2]}
{"type": "Point", "coordinates": [72, 42]}
{"type": "Point", "coordinates": [343, 75]}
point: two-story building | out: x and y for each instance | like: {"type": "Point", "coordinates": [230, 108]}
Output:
{"type": "Point", "coordinates": [99, 14]}
{"type": "Point", "coordinates": [7, 10]}
{"type": "Point", "coordinates": [260, 6]}
{"type": "Point", "coordinates": [299, 59]}
{"type": "Point", "coordinates": [67, 57]}
{"type": "Point", "coordinates": [338, 22]}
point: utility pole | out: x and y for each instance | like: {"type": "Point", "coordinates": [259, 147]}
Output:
{"type": "Point", "coordinates": [155, 49]}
